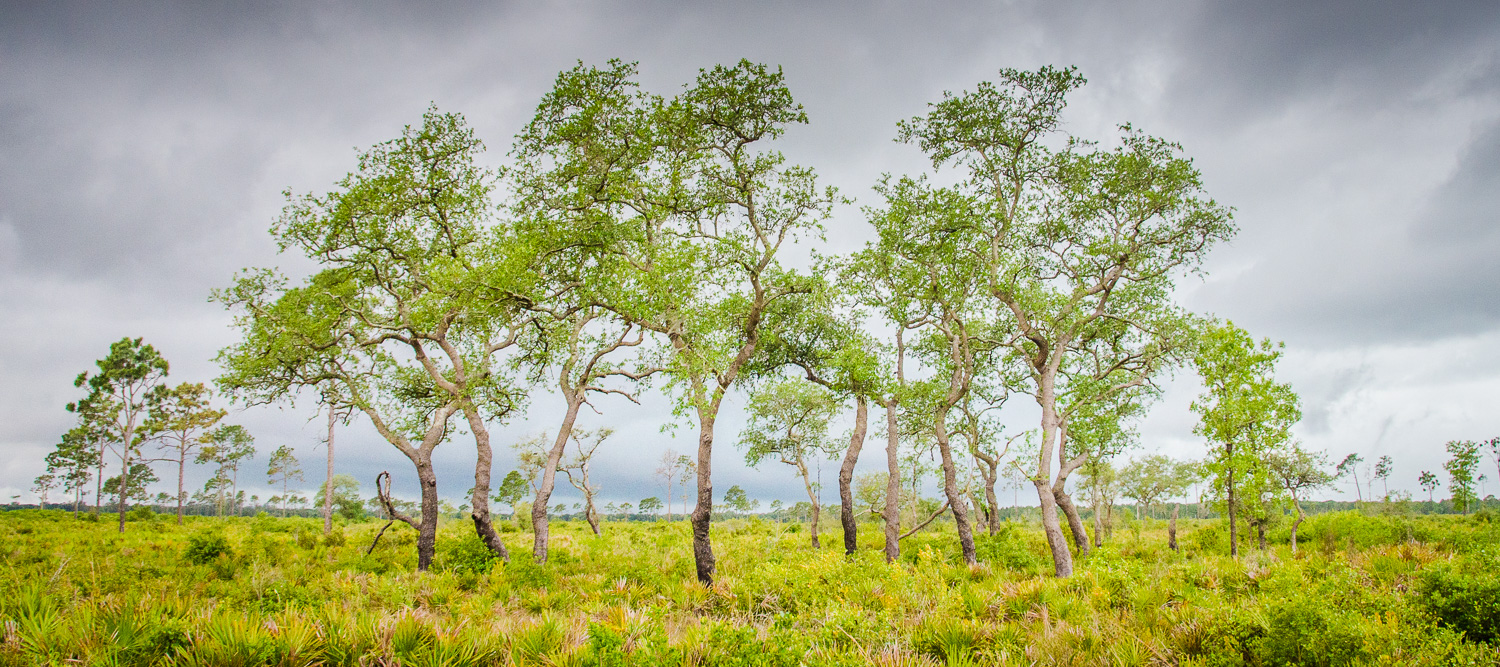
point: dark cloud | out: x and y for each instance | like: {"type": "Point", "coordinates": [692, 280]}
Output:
{"type": "Point", "coordinates": [144, 147]}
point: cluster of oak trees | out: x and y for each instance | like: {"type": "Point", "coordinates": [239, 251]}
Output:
{"type": "Point", "coordinates": [633, 237]}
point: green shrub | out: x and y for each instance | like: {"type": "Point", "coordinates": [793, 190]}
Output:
{"type": "Point", "coordinates": [142, 513]}
{"type": "Point", "coordinates": [1468, 602]}
{"type": "Point", "coordinates": [1008, 548]}
{"type": "Point", "coordinates": [465, 554]}
{"type": "Point", "coordinates": [204, 548]}
{"type": "Point", "coordinates": [1307, 631]}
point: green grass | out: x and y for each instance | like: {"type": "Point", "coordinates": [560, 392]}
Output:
{"type": "Point", "coordinates": [1363, 590]}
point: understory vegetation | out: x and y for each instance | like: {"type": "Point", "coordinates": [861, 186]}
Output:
{"type": "Point", "coordinates": [1362, 589]}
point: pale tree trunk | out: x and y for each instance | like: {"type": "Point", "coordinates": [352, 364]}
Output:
{"type": "Point", "coordinates": [1296, 523]}
{"type": "Point", "coordinates": [1234, 544]}
{"type": "Point", "coordinates": [1098, 527]}
{"type": "Point", "coordinates": [328, 486]}
{"type": "Point", "coordinates": [950, 489]}
{"type": "Point", "coordinates": [1062, 558]}
{"type": "Point", "coordinates": [702, 516]}
{"type": "Point", "coordinates": [99, 478]}
{"type": "Point", "coordinates": [479, 503]}
{"type": "Point", "coordinates": [539, 509]}
{"type": "Point", "coordinates": [812, 498]}
{"type": "Point", "coordinates": [1075, 522]}
{"type": "Point", "coordinates": [125, 466]}
{"type": "Point", "coordinates": [846, 475]}
{"type": "Point", "coordinates": [1172, 529]}
{"type": "Point", "coordinates": [181, 471]}
{"type": "Point", "coordinates": [892, 485]}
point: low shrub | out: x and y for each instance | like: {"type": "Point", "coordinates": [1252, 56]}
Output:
{"type": "Point", "coordinates": [1467, 601]}
{"type": "Point", "coordinates": [204, 548]}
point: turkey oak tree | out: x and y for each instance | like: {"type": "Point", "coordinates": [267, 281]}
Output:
{"type": "Point", "coordinates": [1072, 238]}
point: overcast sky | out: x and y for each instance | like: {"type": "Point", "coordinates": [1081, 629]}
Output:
{"type": "Point", "coordinates": [144, 149]}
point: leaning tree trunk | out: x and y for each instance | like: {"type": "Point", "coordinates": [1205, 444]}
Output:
{"type": "Point", "coordinates": [1062, 558]}
{"type": "Point", "coordinates": [812, 498]}
{"type": "Point", "coordinates": [539, 508]}
{"type": "Point", "coordinates": [846, 475]}
{"type": "Point", "coordinates": [480, 501]}
{"type": "Point", "coordinates": [702, 517]}
{"type": "Point", "coordinates": [892, 485]}
{"type": "Point", "coordinates": [950, 489]}
{"type": "Point", "coordinates": [1075, 522]}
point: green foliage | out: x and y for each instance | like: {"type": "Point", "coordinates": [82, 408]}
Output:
{"type": "Point", "coordinates": [1465, 599]}
{"type": "Point", "coordinates": [465, 554]}
{"type": "Point", "coordinates": [204, 548]}
{"type": "Point", "coordinates": [1463, 468]}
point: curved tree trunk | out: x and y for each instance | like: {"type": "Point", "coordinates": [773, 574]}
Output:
{"type": "Point", "coordinates": [1062, 559]}
{"type": "Point", "coordinates": [539, 508]}
{"type": "Point", "coordinates": [846, 475]}
{"type": "Point", "coordinates": [892, 485]}
{"type": "Point", "coordinates": [702, 517]}
{"type": "Point", "coordinates": [950, 489]}
{"type": "Point", "coordinates": [479, 502]}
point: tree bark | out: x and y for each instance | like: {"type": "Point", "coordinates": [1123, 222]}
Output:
{"type": "Point", "coordinates": [181, 470]}
{"type": "Point", "coordinates": [427, 531]}
{"type": "Point", "coordinates": [1098, 527]}
{"type": "Point", "coordinates": [702, 517]}
{"type": "Point", "coordinates": [950, 489]}
{"type": "Point", "coordinates": [539, 508]}
{"type": "Point", "coordinates": [846, 475]}
{"type": "Point", "coordinates": [812, 498]}
{"type": "Point", "coordinates": [125, 466]}
{"type": "Point", "coordinates": [1260, 534]}
{"type": "Point", "coordinates": [1234, 546]}
{"type": "Point", "coordinates": [1062, 559]}
{"type": "Point", "coordinates": [479, 502]}
{"type": "Point", "coordinates": [1295, 524]}
{"type": "Point", "coordinates": [892, 484]}
{"type": "Point", "coordinates": [328, 486]}
{"type": "Point", "coordinates": [1075, 522]}
{"type": "Point", "coordinates": [1172, 529]}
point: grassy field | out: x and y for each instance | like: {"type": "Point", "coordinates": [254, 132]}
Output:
{"type": "Point", "coordinates": [1389, 590]}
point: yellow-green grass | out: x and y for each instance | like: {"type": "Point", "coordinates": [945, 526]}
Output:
{"type": "Point", "coordinates": [1360, 591]}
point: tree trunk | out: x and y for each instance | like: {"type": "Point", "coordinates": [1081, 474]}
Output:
{"type": "Point", "coordinates": [125, 467]}
{"type": "Point", "coordinates": [1260, 534]}
{"type": "Point", "coordinates": [1295, 524]}
{"type": "Point", "coordinates": [989, 497]}
{"type": "Point", "coordinates": [846, 475]}
{"type": "Point", "coordinates": [1062, 559]}
{"type": "Point", "coordinates": [539, 509]}
{"type": "Point", "coordinates": [1075, 522]}
{"type": "Point", "coordinates": [427, 531]}
{"type": "Point", "coordinates": [99, 479]}
{"type": "Point", "coordinates": [181, 471]}
{"type": "Point", "coordinates": [1172, 529]}
{"type": "Point", "coordinates": [892, 485]}
{"type": "Point", "coordinates": [588, 512]}
{"type": "Point", "coordinates": [1234, 545]}
{"type": "Point", "coordinates": [328, 486]}
{"type": "Point", "coordinates": [702, 517]}
{"type": "Point", "coordinates": [950, 488]}
{"type": "Point", "coordinates": [1098, 527]}
{"type": "Point", "coordinates": [812, 498]}
{"type": "Point", "coordinates": [479, 502]}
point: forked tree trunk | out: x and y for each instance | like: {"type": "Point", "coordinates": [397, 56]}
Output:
{"type": "Point", "coordinates": [1062, 559]}
{"type": "Point", "coordinates": [892, 484]}
{"type": "Point", "coordinates": [702, 517]}
{"type": "Point", "coordinates": [539, 508]}
{"type": "Point", "coordinates": [846, 475]}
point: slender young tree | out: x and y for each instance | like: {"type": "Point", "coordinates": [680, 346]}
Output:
{"type": "Point", "coordinates": [1383, 469]}
{"type": "Point", "coordinates": [1349, 467]}
{"type": "Point", "coordinates": [1244, 413]}
{"type": "Point", "coordinates": [284, 469]}
{"type": "Point", "coordinates": [1430, 482]}
{"type": "Point", "coordinates": [788, 420]}
{"type": "Point", "coordinates": [72, 461]}
{"type": "Point", "coordinates": [126, 381]}
{"type": "Point", "coordinates": [1080, 246]}
{"type": "Point", "coordinates": [1298, 471]}
{"type": "Point", "coordinates": [1462, 466]}
{"type": "Point", "coordinates": [179, 421]}
{"type": "Point", "coordinates": [576, 468]}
